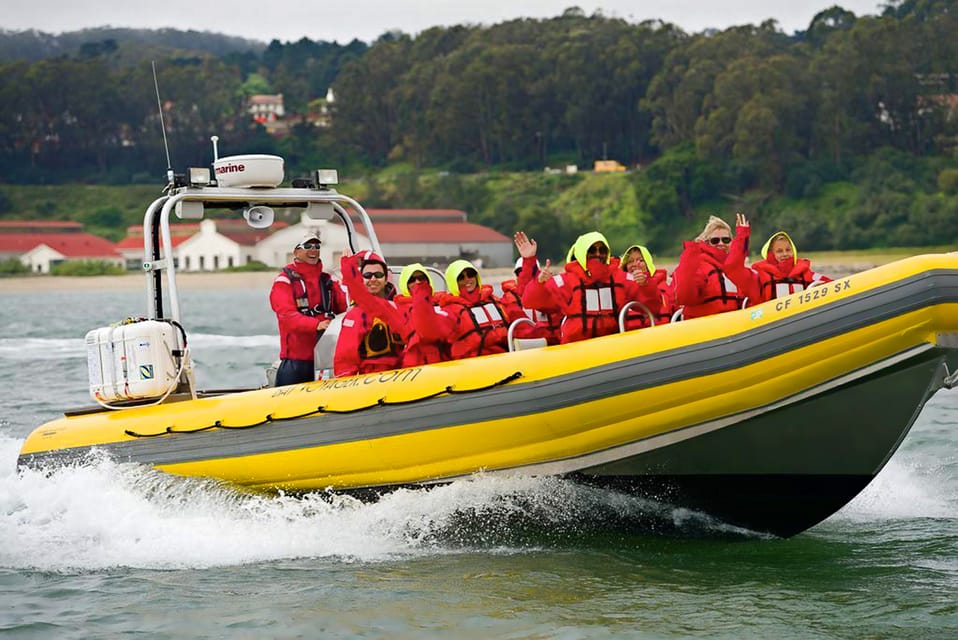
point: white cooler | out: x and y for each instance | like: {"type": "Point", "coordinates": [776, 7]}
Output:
{"type": "Point", "coordinates": [133, 361]}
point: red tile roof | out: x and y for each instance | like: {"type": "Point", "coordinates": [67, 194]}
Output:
{"type": "Point", "coordinates": [417, 215]}
{"type": "Point", "coordinates": [437, 232]}
{"type": "Point", "coordinates": [236, 230]}
{"type": "Point", "coordinates": [27, 226]}
{"type": "Point", "coordinates": [136, 242]}
{"type": "Point", "coordinates": [179, 228]}
{"type": "Point", "coordinates": [71, 245]}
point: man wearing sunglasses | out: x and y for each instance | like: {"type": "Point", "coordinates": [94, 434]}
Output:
{"type": "Point", "coordinates": [711, 276]}
{"type": "Point", "coordinates": [371, 336]}
{"type": "Point", "coordinates": [305, 298]}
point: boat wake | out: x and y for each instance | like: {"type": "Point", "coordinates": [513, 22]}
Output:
{"type": "Point", "coordinates": [104, 515]}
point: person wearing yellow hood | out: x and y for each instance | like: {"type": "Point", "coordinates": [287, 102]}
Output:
{"type": "Point", "coordinates": [637, 262]}
{"type": "Point", "coordinates": [711, 276]}
{"type": "Point", "coordinates": [590, 292]}
{"type": "Point", "coordinates": [781, 272]}
{"type": "Point", "coordinates": [426, 324]}
{"type": "Point", "coordinates": [480, 319]}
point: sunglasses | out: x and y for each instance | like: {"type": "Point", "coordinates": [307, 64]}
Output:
{"type": "Point", "coordinates": [418, 278]}
{"type": "Point", "coordinates": [468, 273]}
{"type": "Point", "coordinates": [723, 240]}
{"type": "Point", "coordinates": [309, 245]}
{"type": "Point", "coordinates": [598, 251]}
{"type": "Point", "coordinates": [369, 275]}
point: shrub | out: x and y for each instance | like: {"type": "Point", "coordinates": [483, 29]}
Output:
{"type": "Point", "coordinates": [12, 267]}
{"type": "Point", "coordinates": [948, 181]}
{"type": "Point", "coordinates": [86, 268]}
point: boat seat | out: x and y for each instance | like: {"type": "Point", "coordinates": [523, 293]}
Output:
{"type": "Point", "coordinates": [521, 344]}
{"type": "Point", "coordinates": [326, 348]}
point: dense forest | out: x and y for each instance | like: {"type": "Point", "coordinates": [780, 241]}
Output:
{"type": "Point", "coordinates": [846, 133]}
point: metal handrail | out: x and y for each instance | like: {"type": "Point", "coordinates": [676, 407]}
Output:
{"type": "Point", "coordinates": [625, 310]}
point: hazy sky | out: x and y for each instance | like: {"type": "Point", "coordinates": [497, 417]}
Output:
{"type": "Point", "coordinates": [343, 20]}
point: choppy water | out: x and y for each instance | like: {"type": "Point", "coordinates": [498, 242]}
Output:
{"type": "Point", "coordinates": [118, 550]}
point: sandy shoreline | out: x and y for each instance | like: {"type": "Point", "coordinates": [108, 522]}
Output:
{"type": "Point", "coordinates": [263, 279]}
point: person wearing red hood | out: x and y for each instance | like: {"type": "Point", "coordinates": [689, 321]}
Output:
{"type": "Point", "coordinates": [305, 298]}
{"type": "Point", "coordinates": [637, 262]}
{"type": "Point", "coordinates": [781, 272]}
{"type": "Point", "coordinates": [526, 270]}
{"type": "Point", "coordinates": [371, 336]}
{"type": "Point", "coordinates": [480, 320]}
{"type": "Point", "coordinates": [590, 292]}
{"type": "Point", "coordinates": [426, 324]}
{"type": "Point", "coordinates": [711, 276]}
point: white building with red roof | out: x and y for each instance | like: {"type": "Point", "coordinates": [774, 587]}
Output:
{"type": "Point", "coordinates": [221, 244]}
{"type": "Point", "coordinates": [131, 247]}
{"type": "Point", "coordinates": [438, 237]}
{"type": "Point", "coordinates": [431, 236]}
{"type": "Point", "coordinates": [41, 251]}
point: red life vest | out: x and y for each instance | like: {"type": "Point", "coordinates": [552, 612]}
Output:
{"type": "Point", "coordinates": [298, 285]}
{"type": "Point", "coordinates": [774, 282]}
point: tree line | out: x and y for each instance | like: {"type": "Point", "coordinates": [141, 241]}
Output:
{"type": "Point", "coordinates": [720, 117]}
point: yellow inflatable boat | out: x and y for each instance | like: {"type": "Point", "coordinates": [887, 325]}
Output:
{"type": "Point", "coordinates": [771, 418]}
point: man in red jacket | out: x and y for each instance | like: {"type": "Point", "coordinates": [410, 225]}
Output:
{"type": "Point", "coordinates": [305, 299]}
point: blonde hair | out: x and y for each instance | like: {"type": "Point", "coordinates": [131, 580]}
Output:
{"type": "Point", "coordinates": [710, 226]}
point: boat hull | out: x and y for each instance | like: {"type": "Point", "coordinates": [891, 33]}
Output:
{"type": "Point", "coordinates": [790, 467]}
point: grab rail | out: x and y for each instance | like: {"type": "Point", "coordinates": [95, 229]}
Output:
{"type": "Point", "coordinates": [629, 305]}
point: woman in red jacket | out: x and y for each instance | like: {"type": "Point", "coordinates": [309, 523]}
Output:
{"type": "Point", "coordinates": [781, 272]}
{"type": "Point", "coordinates": [370, 338]}
{"type": "Point", "coordinates": [426, 325]}
{"type": "Point", "coordinates": [480, 320]}
{"type": "Point", "coordinates": [591, 291]}
{"type": "Point", "coordinates": [637, 262]}
{"type": "Point", "coordinates": [711, 276]}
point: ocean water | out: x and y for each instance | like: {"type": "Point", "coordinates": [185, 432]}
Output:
{"type": "Point", "coordinates": [116, 550]}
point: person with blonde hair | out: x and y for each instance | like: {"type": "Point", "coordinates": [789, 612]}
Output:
{"type": "Point", "coordinates": [711, 276]}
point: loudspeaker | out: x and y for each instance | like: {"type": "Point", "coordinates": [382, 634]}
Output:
{"type": "Point", "coordinates": [258, 217]}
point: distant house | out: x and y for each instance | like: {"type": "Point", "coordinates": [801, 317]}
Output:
{"type": "Point", "coordinates": [431, 236]}
{"type": "Point", "coordinates": [268, 110]}
{"type": "Point", "coordinates": [131, 247]}
{"type": "Point", "coordinates": [438, 237]}
{"type": "Point", "coordinates": [42, 244]}
{"type": "Point", "coordinates": [222, 243]}
{"type": "Point", "coordinates": [49, 249]}
{"type": "Point", "coordinates": [265, 107]}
